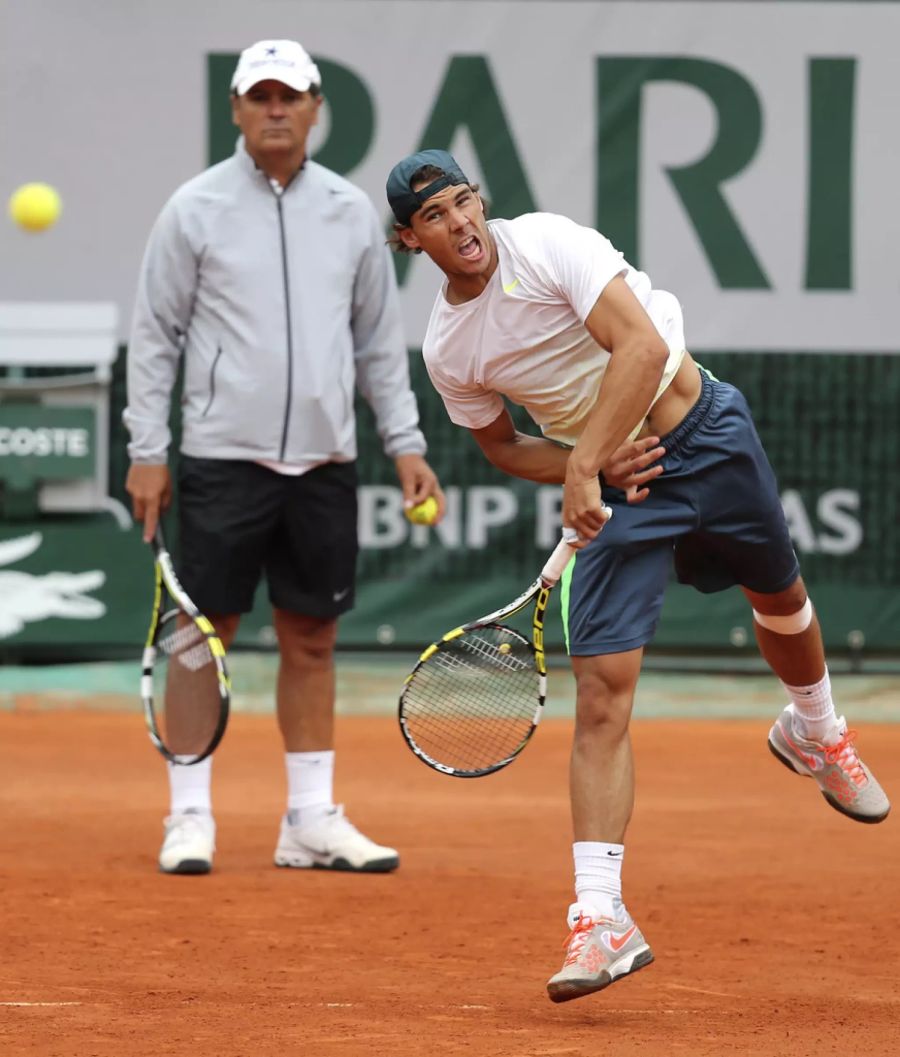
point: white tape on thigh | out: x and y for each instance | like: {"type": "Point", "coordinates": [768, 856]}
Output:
{"type": "Point", "coordinates": [792, 624]}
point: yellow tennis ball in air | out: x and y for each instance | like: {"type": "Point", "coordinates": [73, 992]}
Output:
{"type": "Point", "coordinates": [424, 513]}
{"type": "Point", "coordinates": [35, 206]}
{"type": "Point", "coordinates": [504, 647]}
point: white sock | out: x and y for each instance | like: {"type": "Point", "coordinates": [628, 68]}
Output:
{"type": "Point", "coordinates": [598, 877]}
{"type": "Point", "coordinates": [310, 778]}
{"type": "Point", "coordinates": [814, 708]}
{"type": "Point", "coordinates": [189, 787]}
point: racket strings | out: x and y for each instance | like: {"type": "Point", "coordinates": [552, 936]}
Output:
{"type": "Point", "coordinates": [486, 651]}
{"type": "Point", "coordinates": [185, 691]}
{"type": "Point", "coordinates": [187, 645]}
{"type": "Point", "coordinates": [472, 704]}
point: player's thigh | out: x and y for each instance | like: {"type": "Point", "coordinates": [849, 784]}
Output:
{"type": "Point", "coordinates": [311, 566]}
{"type": "Point", "coordinates": [743, 530]}
{"type": "Point", "coordinates": [228, 510]}
{"type": "Point", "coordinates": [613, 590]}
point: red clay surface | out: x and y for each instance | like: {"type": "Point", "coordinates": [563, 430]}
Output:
{"type": "Point", "coordinates": [774, 920]}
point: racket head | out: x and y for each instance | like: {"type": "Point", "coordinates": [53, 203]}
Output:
{"type": "Point", "coordinates": [185, 688]}
{"type": "Point", "coordinates": [473, 700]}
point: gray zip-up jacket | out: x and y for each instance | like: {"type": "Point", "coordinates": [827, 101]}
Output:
{"type": "Point", "coordinates": [280, 302]}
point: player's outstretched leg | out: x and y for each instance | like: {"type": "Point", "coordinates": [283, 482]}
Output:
{"type": "Point", "coordinates": [599, 951]}
{"type": "Point", "coordinates": [844, 780]}
{"type": "Point", "coordinates": [809, 737]}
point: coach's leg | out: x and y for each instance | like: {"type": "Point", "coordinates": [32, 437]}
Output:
{"type": "Point", "coordinates": [306, 685]}
{"type": "Point", "coordinates": [314, 832]}
{"type": "Point", "coordinates": [190, 831]}
{"type": "Point", "coordinates": [305, 700]}
{"type": "Point", "coordinates": [188, 729]}
{"type": "Point", "coordinates": [809, 737]}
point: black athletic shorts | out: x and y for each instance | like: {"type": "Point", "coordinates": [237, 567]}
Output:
{"type": "Point", "coordinates": [239, 521]}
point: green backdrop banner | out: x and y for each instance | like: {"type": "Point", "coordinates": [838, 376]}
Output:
{"type": "Point", "coordinates": [40, 442]}
{"type": "Point", "coordinates": [829, 424]}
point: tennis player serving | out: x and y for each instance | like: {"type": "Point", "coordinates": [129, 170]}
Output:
{"type": "Point", "coordinates": [547, 313]}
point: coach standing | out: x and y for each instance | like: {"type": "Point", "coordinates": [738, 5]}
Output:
{"type": "Point", "coordinates": [270, 275]}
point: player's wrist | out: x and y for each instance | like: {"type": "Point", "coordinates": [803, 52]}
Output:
{"type": "Point", "coordinates": [580, 471]}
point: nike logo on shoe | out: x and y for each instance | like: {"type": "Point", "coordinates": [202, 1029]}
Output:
{"type": "Point", "coordinates": [616, 943]}
{"type": "Point", "coordinates": [815, 763]}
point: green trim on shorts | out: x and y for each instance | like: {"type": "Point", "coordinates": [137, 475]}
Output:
{"type": "Point", "coordinates": [707, 372]}
{"type": "Point", "coordinates": [565, 587]}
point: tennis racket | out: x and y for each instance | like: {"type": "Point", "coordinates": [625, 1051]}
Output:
{"type": "Point", "coordinates": [475, 697]}
{"type": "Point", "coordinates": [185, 687]}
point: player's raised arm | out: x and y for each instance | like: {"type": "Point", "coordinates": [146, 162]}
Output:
{"type": "Point", "coordinates": [619, 324]}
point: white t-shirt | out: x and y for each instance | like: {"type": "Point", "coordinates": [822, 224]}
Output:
{"type": "Point", "coordinates": [524, 335]}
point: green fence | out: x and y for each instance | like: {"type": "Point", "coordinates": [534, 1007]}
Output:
{"type": "Point", "coordinates": [828, 423]}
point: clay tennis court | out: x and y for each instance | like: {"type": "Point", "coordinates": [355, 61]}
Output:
{"type": "Point", "coordinates": [775, 921]}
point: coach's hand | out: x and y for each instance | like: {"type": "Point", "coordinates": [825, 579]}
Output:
{"type": "Point", "coordinates": [630, 467]}
{"type": "Point", "coordinates": [419, 481]}
{"type": "Point", "coordinates": [150, 488]}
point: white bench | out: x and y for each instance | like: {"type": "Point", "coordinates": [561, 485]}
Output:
{"type": "Point", "coordinates": [81, 336]}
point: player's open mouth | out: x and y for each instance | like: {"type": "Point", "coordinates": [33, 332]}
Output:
{"type": "Point", "coordinates": [470, 248]}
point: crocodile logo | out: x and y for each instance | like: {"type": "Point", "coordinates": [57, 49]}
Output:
{"type": "Point", "coordinates": [26, 598]}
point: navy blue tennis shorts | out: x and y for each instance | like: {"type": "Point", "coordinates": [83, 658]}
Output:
{"type": "Point", "coordinates": [239, 521]}
{"type": "Point", "coordinates": [715, 512]}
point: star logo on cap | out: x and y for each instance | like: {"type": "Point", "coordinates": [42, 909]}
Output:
{"type": "Point", "coordinates": [271, 51]}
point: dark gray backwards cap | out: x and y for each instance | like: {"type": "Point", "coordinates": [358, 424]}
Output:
{"type": "Point", "coordinates": [403, 199]}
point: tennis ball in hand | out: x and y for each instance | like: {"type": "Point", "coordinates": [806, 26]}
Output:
{"type": "Point", "coordinates": [35, 206]}
{"type": "Point", "coordinates": [424, 513]}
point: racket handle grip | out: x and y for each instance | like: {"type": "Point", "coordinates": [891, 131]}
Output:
{"type": "Point", "coordinates": [557, 562]}
{"type": "Point", "coordinates": [560, 558]}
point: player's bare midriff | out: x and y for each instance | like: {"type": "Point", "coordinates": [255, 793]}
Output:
{"type": "Point", "coordinates": [678, 399]}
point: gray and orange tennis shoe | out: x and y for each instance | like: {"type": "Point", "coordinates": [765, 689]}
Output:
{"type": "Point", "coordinates": [331, 842]}
{"type": "Point", "coordinates": [599, 951]}
{"type": "Point", "coordinates": [844, 780]}
{"type": "Point", "coordinates": [189, 843]}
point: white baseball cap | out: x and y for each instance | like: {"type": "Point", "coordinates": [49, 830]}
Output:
{"type": "Point", "coordinates": [275, 60]}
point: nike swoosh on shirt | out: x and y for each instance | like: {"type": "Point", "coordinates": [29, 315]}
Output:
{"type": "Point", "coordinates": [338, 595]}
{"type": "Point", "coordinates": [509, 287]}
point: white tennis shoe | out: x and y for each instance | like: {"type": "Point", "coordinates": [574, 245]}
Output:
{"type": "Point", "coordinates": [332, 842]}
{"type": "Point", "coordinates": [189, 843]}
